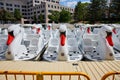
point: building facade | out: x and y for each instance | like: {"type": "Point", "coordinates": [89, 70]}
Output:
{"type": "Point", "coordinates": [31, 8]}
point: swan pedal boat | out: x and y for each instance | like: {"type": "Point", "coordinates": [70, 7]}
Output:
{"type": "Point", "coordinates": [99, 46]}
{"type": "Point", "coordinates": [63, 48]}
{"type": "Point", "coordinates": [3, 45]}
{"type": "Point", "coordinates": [23, 43]}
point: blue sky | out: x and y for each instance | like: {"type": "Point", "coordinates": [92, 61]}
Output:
{"type": "Point", "coordinates": [71, 3]}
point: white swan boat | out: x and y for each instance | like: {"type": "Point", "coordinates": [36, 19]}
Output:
{"type": "Point", "coordinates": [47, 33]}
{"type": "Point", "coordinates": [63, 48]}
{"type": "Point", "coordinates": [3, 40]}
{"type": "Point", "coordinates": [116, 47]}
{"type": "Point", "coordinates": [21, 45]}
{"type": "Point", "coordinates": [99, 46]}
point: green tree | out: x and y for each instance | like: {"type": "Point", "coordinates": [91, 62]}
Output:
{"type": "Point", "coordinates": [6, 16]}
{"type": "Point", "coordinates": [114, 9]}
{"type": "Point", "coordinates": [35, 18]}
{"type": "Point", "coordinates": [17, 14]}
{"type": "Point", "coordinates": [81, 11]}
{"type": "Point", "coordinates": [97, 10]}
{"type": "Point", "coordinates": [41, 18]}
{"type": "Point", "coordinates": [55, 15]}
{"type": "Point", "coordinates": [65, 16]}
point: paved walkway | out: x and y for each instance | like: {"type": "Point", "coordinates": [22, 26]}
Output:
{"type": "Point", "coordinates": [94, 69]}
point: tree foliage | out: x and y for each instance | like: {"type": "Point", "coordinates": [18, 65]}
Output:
{"type": "Point", "coordinates": [41, 18]}
{"type": "Point", "coordinates": [17, 14]}
{"type": "Point", "coordinates": [81, 11]}
{"type": "Point", "coordinates": [55, 15]}
{"type": "Point", "coordinates": [114, 9]}
{"type": "Point", "coordinates": [35, 18]}
{"type": "Point", "coordinates": [6, 16]}
{"type": "Point", "coordinates": [65, 16]}
{"type": "Point", "coordinates": [97, 10]}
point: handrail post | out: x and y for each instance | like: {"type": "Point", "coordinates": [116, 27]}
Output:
{"type": "Point", "coordinates": [39, 77]}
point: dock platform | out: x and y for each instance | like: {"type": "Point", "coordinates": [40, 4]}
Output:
{"type": "Point", "coordinates": [95, 69]}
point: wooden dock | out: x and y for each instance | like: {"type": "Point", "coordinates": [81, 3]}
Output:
{"type": "Point", "coordinates": [94, 69]}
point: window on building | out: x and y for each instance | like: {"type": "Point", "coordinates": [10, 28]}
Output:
{"type": "Point", "coordinates": [28, 13]}
{"type": "Point", "coordinates": [58, 7]}
{"type": "Point", "coordinates": [31, 5]}
{"type": "Point", "coordinates": [27, 2]}
{"type": "Point", "coordinates": [10, 4]}
{"type": "Point", "coordinates": [11, 9]}
{"type": "Point", "coordinates": [1, 3]}
{"type": "Point", "coordinates": [7, 4]}
{"type": "Point", "coordinates": [1, 7]}
{"type": "Point", "coordinates": [25, 13]}
{"type": "Point", "coordinates": [55, 6]}
{"type": "Point", "coordinates": [7, 8]}
{"type": "Point", "coordinates": [17, 5]}
{"type": "Point", "coordinates": [36, 4]}
{"type": "Point", "coordinates": [38, 11]}
{"type": "Point", "coordinates": [48, 5]}
{"type": "Point", "coordinates": [28, 9]}
{"type": "Point", "coordinates": [43, 5]}
{"type": "Point", "coordinates": [36, 7]}
{"type": "Point", "coordinates": [57, 2]}
{"type": "Point", "coordinates": [50, 11]}
{"type": "Point", "coordinates": [23, 6]}
{"type": "Point", "coordinates": [24, 10]}
{"type": "Point", "coordinates": [42, 11]}
{"type": "Point", "coordinates": [51, 6]}
{"type": "Point", "coordinates": [36, 1]}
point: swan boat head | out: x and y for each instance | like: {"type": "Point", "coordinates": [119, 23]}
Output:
{"type": "Point", "coordinates": [13, 32]}
{"type": "Point", "coordinates": [63, 47]}
{"type": "Point", "coordinates": [106, 33]}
